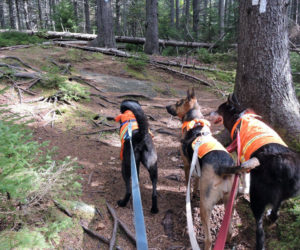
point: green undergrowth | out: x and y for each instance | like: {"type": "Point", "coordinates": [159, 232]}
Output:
{"type": "Point", "coordinates": [30, 178]}
{"type": "Point", "coordinates": [287, 231]}
{"type": "Point", "coordinates": [11, 38]}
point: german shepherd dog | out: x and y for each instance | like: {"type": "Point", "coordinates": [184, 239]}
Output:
{"type": "Point", "coordinates": [143, 147]}
{"type": "Point", "coordinates": [217, 166]}
{"type": "Point", "coordinates": [277, 176]}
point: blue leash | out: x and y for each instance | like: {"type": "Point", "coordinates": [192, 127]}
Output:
{"type": "Point", "coordinates": [140, 230]}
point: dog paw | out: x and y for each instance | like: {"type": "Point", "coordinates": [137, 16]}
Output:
{"type": "Point", "coordinates": [121, 203]}
{"type": "Point", "coordinates": [154, 210]}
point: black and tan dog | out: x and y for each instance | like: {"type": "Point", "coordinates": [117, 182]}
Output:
{"type": "Point", "coordinates": [277, 177]}
{"type": "Point", "coordinates": [215, 162]}
{"type": "Point", "coordinates": [143, 147]}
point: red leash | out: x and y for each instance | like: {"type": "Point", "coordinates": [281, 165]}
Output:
{"type": "Point", "coordinates": [221, 239]}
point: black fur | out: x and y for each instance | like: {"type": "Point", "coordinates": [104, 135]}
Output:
{"type": "Point", "coordinates": [144, 152]}
{"type": "Point", "coordinates": [275, 180]}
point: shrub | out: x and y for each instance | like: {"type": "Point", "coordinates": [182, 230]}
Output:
{"type": "Point", "coordinates": [11, 38]}
{"type": "Point", "coordinates": [138, 63]}
{"type": "Point", "coordinates": [73, 91]}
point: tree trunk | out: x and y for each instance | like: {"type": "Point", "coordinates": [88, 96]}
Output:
{"type": "Point", "coordinates": [87, 16]}
{"type": "Point", "coordinates": [117, 20]}
{"type": "Point", "coordinates": [187, 14]}
{"type": "Point", "coordinates": [26, 15]}
{"type": "Point", "coordinates": [221, 18]}
{"type": "Point", "coordinates": [2, 20]}
{"type": "Point", "coordinates": [264, 80]}
{"type": "Point", "coordinates": [172, 13]}
{"type": "Point", "coordinates": [105, 33]}
{"type": "Point", "coordinates": [75, 5]}
{"type": "Point", "coordinates": [40, 14]}
{"type": "Point", "coordinates": [18, 24]}
{"type": "Point", "coordinates": [196, 12]}
{"type": "Point", "coordinates": [151, 44]}
{"type": "Point", "coordinates": [177, 13]}
{"type": "Point", "coordinates": [124, 17]}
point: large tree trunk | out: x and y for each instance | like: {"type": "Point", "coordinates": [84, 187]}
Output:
{"type": "Point", "coordinates": [11, 14]}
{"type": "Point", "coordinates": [196, 12]}
{"type": "Point", "coordinates": [18, 23]}
{"type": "Point", "coordinates": [151, 44]}
{"type": "Point", "coordinates": [205, 2]}
{"type": "Point", "coordinates": [264, 80]}
{"type": "Point", "coordinates": [75, 6]}
{"type": "Point", "coordinates": [26, 15]}
{"type": "Point", "coordinates": [172, 13]}
{"type": "Point", "coordinates": [40, 24]}
{"type": "Point", "coordinates": [87, 16]}
{"type": "Point", "coordinates": [2, 20]}
{"type": "Point", "coordinates": [221, 18]}
{"type": "Point", "coordinates": [124, 18]}
{"type": "Point", "coordinates": [177, 13]}
{"type": "Point", "coordinates": [105, 33]}
{"type": "Point", "coordinates": [187, 15]}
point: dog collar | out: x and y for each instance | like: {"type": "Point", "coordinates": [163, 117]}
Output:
{"type": "Point", "coordinates": [188, 125]}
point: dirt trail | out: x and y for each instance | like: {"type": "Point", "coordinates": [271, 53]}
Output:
{"type": "Point", "coordinates": [99, 157]}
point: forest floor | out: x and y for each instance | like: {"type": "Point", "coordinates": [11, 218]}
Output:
{"type": "Point", "coordinates": [74, 133]}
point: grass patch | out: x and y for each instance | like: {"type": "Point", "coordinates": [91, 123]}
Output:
{"type": "Point", "coordinates": [11, 38]}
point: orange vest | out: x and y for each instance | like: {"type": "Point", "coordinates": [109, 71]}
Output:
{"type": "Point", "coordinates": [124, 119]}
{"type": "Point", "coordinates": [254, 134]}
{"type": "Point", "coordinates": [207, 142]}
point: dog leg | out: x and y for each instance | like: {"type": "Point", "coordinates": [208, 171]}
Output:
{"type": "Point", "coordinates": [153, 176]}
{"type": "Point", "coordinates": [126, 173]}
{"type": "Point", "coordinates": [205, 213]}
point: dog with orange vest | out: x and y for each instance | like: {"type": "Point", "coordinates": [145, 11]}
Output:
{"type": "Point", "coordinates": [217, 166]}
{"type": "Point", "coordinates": [277, 176]}
{"type": "Point", "coordinates": [143, 147]}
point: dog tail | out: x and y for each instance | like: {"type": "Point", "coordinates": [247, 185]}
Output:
{"type": "Point", "coordinates": [139, 114]}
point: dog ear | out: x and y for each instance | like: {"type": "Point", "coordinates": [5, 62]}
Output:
{"type": "Point", "coordinates": [193, 93]}
{"type": "Point", "coordinates": [188, 95]}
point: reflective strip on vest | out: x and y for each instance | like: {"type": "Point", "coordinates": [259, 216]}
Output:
{"type": "Point", "coordinates": [254, 134]}
{"type": "Point", "coordinates": [207, 144]}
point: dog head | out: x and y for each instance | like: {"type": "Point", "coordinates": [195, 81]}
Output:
{"type": "Point", "coordinates": [182, 107]}
{"type": "Point", "coordinates": [228, 112]}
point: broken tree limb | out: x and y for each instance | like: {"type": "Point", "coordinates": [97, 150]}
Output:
{"type": "Point", "coordinates": [116, 223]}
{"type": "Point", "coordinates": [122, 224]}
{"type": "Point", "coordinates": [62, 208]}
{"type": "Point", "coordinates": [185, 75]}
{"type": "Point", "coordinates": [96, 235]}
{"type": "Point", "coordinates": [19, 60]}
{"type": "Point", "coordinates": [82, 80]}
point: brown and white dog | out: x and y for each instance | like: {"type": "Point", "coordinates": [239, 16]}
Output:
{"type": "Point", "coordinates": [217, 166]}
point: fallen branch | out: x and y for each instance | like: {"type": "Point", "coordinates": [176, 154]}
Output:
{"type": "Point", "coordinates": [62, 208]}
{"type": "Point", "coordinates": [104, 98]}
{"type": "Point", "coordinates": [90, 177]}
{"type": "Point", "coordinates": [122, 224]}
{"type": "Point", "coordinates": [100, 131]}
{"type": "Point", "coordinates": [19, 60]}
{"type": "Point", "coordinates": [16, 47]}
{"type": "Point", "coordinates": [116, 223]}
{"type": "Point", "coordinates": [81, 80]}
{"type": "Point", "coordinates": [96, 235]}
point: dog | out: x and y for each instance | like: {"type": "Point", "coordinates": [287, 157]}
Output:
{"type": "Point", "coordinates": [217, 166]}
{"type": "Point", "coordinates": [277, 176]}
{"type": "Point", "coordinates": [143, 147]}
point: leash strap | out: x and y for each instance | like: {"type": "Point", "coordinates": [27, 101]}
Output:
{"type": "Point", "coordinates": [189, 216]}
{"type": "Point", "coordinates": [140, 230]}
{"type": "Point", "coordinates": [221, 238]}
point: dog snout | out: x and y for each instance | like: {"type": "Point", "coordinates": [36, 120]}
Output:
{"type": "Point", "coordinates": [171, 110]}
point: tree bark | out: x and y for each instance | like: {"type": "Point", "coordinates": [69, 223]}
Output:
{"type": "Point", "coordinates": [75, 6]}
{"type": "Point", "coordinates": [222, 18]}
{"type": "Point", "coordinates": [18, 23]}
{"type": "Point", "coordinates": [87, 16]}
{"type": "Point", "coordinates": [105, 34]}
{"type": "Point", "coordinates": [124, 17]}
{"type": "Point", "coordinates": [11, 14]}
{"type": "Point", "coordinates": [196, 12]}
{"type": "Point", "coordinates": [2, 19]}
{"type": "Point", "coordinates": [177, 13]}
{"type": "Point", "coordinates": [40, 24]}
{"type": "Point", "coordinates": [172, 13]}
{"type": "Point", "coordinates": [117, 20]}
{"type": "Point", "coordinates": [26, 15]}
{"type": "Point", "coordinates": [151, 43]}
{"type": "Point", "coordinates": [264, 80]}
{"type": "Point", "coordinates": [205, 12]}
{"type": "Point", "coordinates": [187, 14]}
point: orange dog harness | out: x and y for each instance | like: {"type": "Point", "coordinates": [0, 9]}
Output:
{"type": "Point", "coordinates": [254, 134]}
{"type": "Point", "coordinates": [207, 142]}
{"type": "Point", "coordinates": [124, 120]}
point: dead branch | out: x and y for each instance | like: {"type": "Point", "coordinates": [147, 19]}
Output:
{"type": "Point", "coordinates": [90, 177]}
{"type": "Point", "coordinates": [81, 80]}
{"type": "Point", "coordinates": [64, 68]}
{"type": "Point", "coordinates": [99, 212]}
{"type": "Point", "coordinates": [104, 98]}
{"type": "Point", "coordinates": [116, 223]}
{"type": "Point", "coordinates": [100, 131]}
{"type": "Point", "coordinates": [16, 47]}
{"type": "Point", "coordinates": [62, 208]}
{"type": "Point", "coordinates": [96, 235]}
{"type": "Point", "coordinates": [32, 83]}
{"type": "Point", "coordinates": [135, 96]}
{"type": "Point", "coordinates": [21, 61]}
{"type": "Point", "coordinates": [185, 75]}
{"type": "Point", "coordinates": [122, 224]}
